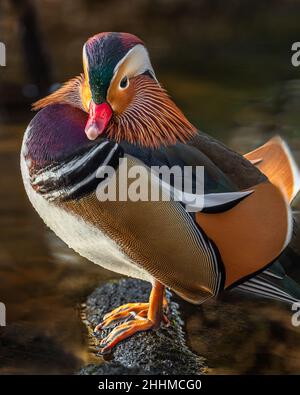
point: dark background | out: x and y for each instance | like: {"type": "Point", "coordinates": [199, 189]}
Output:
{"type": "Point", "coordinates": [227, 64]}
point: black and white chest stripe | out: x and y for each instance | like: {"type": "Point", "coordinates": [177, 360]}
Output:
{"type": "Point", "coordinates": [76, 176]}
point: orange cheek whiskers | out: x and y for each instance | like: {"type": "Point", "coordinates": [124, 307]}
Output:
{"type": "Point", "coordinates": [151, 119]}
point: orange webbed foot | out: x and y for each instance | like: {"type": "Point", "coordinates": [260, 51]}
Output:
{"type": "Point", "coordinates": [123, 331]}
{"type": "Point", "coordinates": [134, 317]}
{"type": "Point", "coordinates": [127, 312]}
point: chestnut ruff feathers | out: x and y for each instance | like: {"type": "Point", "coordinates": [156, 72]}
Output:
{"type": "Point", "coordinates": [151, 119]}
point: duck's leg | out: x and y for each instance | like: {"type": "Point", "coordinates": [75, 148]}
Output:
{"type": "Point", "coordinates": [138, 316]}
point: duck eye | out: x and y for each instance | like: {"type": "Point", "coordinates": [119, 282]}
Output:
{"type": "Point", "coordinates": [124, 82]}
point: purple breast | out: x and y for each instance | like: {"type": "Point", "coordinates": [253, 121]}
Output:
{"type": "Point", "coordinates": [61, 160]}
{"type": "Point", "coordinates": [56, 133]}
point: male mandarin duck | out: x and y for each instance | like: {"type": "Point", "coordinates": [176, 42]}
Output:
{"type": "Point", "coordinates": [117, 109]}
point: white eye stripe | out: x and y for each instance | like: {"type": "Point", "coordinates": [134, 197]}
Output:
{"type": "Point", "coordinates": [84, 56]}
{"type": "Point", "coordinates": [137, 62]}
{"type": "Point", "coordinates": [85, 63]}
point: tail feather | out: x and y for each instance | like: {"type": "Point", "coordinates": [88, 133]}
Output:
{"type": "Point", "coordinates": [273, 283]}
{"type": "Point", "coordinates": [276, 161]}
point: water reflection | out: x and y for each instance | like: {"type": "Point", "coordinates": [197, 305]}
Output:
{"type": "Point", "coordinates": [242, 335]}
{"type": "Point", "coordinates": [242, 102]}
{"type": "Point", "coordinates": [42, 282]}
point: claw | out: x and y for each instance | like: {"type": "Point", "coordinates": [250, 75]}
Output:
{"type": "Point", "coordinates": [124, 331]}
{"type": "Point", "coordinates": [134, 317]}
{"type": "Point", "coordinates": [114, 320]}
{"type": "Point", "coordinates": [126, 313]}
{"type": "Point", "coordinates": [126, 308]}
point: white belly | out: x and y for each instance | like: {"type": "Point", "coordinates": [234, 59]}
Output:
{"type": "Point", "coordinates": [84, 238]}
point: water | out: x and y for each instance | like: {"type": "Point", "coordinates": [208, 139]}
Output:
{"type": "Point", "coordinates": [229, 70]}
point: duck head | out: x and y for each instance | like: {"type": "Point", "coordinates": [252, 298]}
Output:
{"type": "Point", "coordinates": [121, 94]}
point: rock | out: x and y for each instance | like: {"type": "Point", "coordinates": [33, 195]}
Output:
{"type": "Point", "coordinates": [155, 352]}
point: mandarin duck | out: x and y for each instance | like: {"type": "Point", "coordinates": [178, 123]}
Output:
{"type": "Point", "coordinates": [117, 109]}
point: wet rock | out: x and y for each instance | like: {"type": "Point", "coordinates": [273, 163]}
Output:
{"type": "Point", "coordinates": [111, 368]}
{"type": "Point", "coordinates": [155, 352]}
